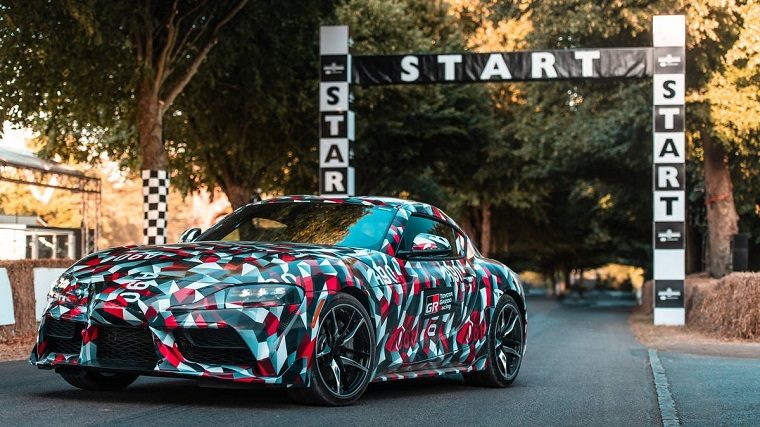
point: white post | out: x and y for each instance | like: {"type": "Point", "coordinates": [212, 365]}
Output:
{"type": "Point", "coordinates": [669, 227]}
{"type": "Point", "coordinates": [336, 120]}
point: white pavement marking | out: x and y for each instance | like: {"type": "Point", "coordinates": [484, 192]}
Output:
{"type": "Point", "coordinates": [665, 400]}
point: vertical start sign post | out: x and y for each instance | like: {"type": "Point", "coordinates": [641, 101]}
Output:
{"type": "Point", "coordinates": [664, 62]}
{"type": "Point", "coordinates": [669, 156]}
{"type": "Point", "coordinates": [336, 120]}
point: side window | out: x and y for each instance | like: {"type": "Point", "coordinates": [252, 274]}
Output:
{"type": "Point", "coordinates": [419, 224]}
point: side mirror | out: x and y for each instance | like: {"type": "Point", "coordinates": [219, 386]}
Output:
{"type": "Point", "coordinates": [189, 235]}
{"type": "Point", "coordinates": [430, 245]}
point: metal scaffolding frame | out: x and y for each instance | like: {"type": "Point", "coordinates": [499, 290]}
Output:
{"type": "Point", "coordinates": [26, 168]}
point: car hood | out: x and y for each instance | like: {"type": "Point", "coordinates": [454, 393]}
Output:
{"type": "Point", "coordinates": [133, 284]}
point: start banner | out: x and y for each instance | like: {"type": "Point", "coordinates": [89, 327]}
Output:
{"type": "Point", "coordinates": [371, 70]}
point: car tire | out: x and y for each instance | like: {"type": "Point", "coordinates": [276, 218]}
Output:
{"type": "Point", "coordinates": [323, 381]}
{"type": "Point", "coordinates": [98, 381]}
{"type": "Point", "coordinates": [497, 372]}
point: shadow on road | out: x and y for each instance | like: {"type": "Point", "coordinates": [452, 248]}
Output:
{"type": "Point", "coordinates": [582, 362]}
{"type": "Point", "coordinates": [186, 392]}
{"type": "Point", "coordinates": [182, 392]}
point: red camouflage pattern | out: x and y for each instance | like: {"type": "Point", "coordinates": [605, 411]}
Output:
{"type": "Point", "coordinates": [170, 291]}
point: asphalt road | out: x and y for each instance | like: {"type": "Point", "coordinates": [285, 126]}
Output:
{"type": "Point", "coordinates": [582, 367]}
{"type": "Point", "coordinates": [712, 391]}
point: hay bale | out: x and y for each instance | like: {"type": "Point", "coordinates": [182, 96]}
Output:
{"type": "Point", "coordinates": [729, 308]}
{"type": "Point", "coordinates": [21, 276]}
{"type": "Point", "coordinates": [692, 284]}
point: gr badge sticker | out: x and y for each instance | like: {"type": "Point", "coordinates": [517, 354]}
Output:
{"type": "Point", "coordinates": [438, 301]}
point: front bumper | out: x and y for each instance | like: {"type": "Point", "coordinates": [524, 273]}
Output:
{"type": "Point", "coordinates": [260, 345]}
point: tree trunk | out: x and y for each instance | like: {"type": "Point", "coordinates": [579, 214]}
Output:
{"type": "Point", "coordinates": [161, 51]}
{"type": "Point", "coordinates": [552, 282]}
{"type": "Point", "coordinates": [485, 229]}
{"type": "Point", "coordinates": [238, 194]}
{"type": "Point", "coordinates": [722, 220]}
{"type": "Point", "coordinates": [469, 223]}
{"type": "Point", "coordinates": [155, 164]}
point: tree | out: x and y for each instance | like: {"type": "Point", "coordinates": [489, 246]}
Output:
{"type": "Point", "coordinates": [726, 96]}
{"type": "Point", "coordinates": [258, 130]}
{"type": "Point", "coordinates": [563, 165]}
{"type": "Point", "coordinates": [499, 194]}
{"type": "Point", "coordinates": [422, 142]}
{"type": "Point", "coordinates": [99, 77]}
{"type": "Point", "coordinates": [567, 127]}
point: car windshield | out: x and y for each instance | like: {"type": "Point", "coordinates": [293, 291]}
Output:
{"type": "Point", "coordinates": [339, 224]}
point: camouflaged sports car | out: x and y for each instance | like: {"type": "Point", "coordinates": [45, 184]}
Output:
{"type": "Point", "coordinates": [319, 295]}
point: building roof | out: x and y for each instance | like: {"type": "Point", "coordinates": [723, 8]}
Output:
{"type": "Point", "coordinates": [23, 167]}
{"type": "Point", "coordinates": [25, 159]}
{"type": "Point", "coordinates": [20, 219]}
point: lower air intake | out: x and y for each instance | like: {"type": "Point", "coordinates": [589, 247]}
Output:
{"type": "Point", "coordinates": [130, 348]}
{"type": "Point", "coordinates": [63, 336]}
{"type": "Point", "coordinates": [214, 347]}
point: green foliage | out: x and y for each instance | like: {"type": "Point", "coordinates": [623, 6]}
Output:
{"type": "Point", "coordinates": [732, 95]}
{"type": "Point", "coordinates": [248, 119]}
{"type": "Point", "coordinates": [565, 165]}
{"type": "Point", "coordinates": [425, 142]}
{"type": "Point", "coordinates": [593, 139]}
{"type": "Point", "coordinates": [587, 147]}
{"type": "Point", "coordinates": [66, 71]}
{"type": "Point", "coordinates": [579, 151]}
{"type": "Point", "coordinates": [70, 69]}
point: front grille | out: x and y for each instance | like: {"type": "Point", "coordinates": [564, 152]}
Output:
{"type": "Point", "coordinates": [63, 336]}
{"type": "Point", "coordinates": [126, 348]}
{"type": "Point", "coordinates": [214, 347]}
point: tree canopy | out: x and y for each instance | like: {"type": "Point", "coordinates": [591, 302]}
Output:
{"type": "Point", "coordinates": [547, 175]}
{"type": "Point", "coordinates": [97, 78]}
{"type": "Point", "coordinates": [247, 122]}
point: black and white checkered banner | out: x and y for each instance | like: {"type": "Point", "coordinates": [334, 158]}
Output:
{"type": "Point", "coordinates": [155, 184]}
{"type": "Point", "coordinates": [336, 128]}
{"type": "Point", "coordinates": [669, 155]}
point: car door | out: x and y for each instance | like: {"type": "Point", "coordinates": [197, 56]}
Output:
{"type": "Point", "coordinates": [435, 286]}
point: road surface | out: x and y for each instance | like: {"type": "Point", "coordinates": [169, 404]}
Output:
{"type": "Point", "coordinates": [582, 367]}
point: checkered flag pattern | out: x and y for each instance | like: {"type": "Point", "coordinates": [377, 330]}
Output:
{"type": "Point", "coordinates": [155, 184]}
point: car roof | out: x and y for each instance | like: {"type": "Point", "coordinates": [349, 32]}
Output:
{"type": "Point", "coordinates": [363, 200]}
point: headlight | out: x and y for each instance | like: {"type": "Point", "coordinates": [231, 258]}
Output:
{"type": "Point", "coordinates": [262, 295]}
{"type": "Point", "coordinates": [60, 287]}
{"type": "Point", "coordinates": [65, 289]}
{"type": "Point", "coordinates": [243, 296]}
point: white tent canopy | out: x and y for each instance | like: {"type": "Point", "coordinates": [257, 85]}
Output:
{"type": "Point", "coordinates": [23, 167]}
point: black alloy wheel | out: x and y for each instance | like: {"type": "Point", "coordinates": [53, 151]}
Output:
{"type": "Point", "coordinates": [506, 340]}
{"type": "Point", "coordinates": [344, 357]}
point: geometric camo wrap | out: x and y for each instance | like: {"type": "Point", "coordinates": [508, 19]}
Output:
{"type": "Point", "coordinates": [167, 292]}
